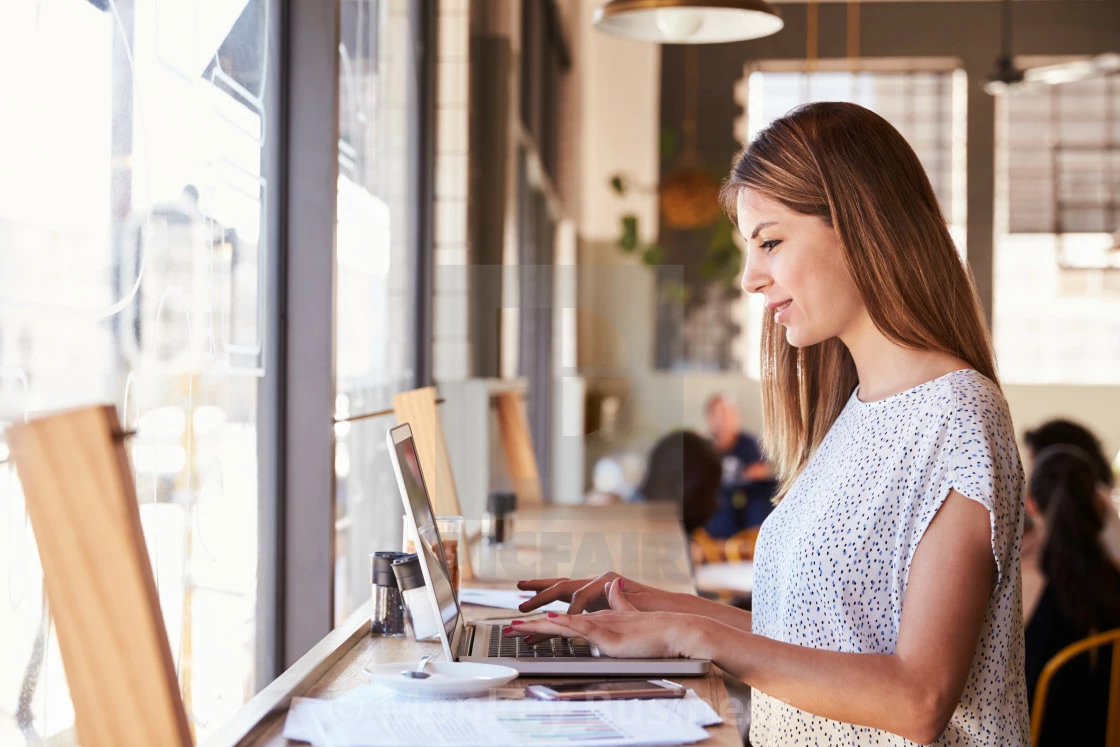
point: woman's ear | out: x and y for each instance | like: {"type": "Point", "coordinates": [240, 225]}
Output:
{"type": "Point", "coordinates": [1032, 508]}
{"type": "Point", "coordinates": [1104, 502]}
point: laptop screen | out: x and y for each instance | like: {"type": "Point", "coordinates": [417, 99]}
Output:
{"type": "Point", "coordinates": [430, 545]}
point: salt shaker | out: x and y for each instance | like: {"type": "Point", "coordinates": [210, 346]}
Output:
{"type": "Point", "coordinates": [497, 525]}
{"type": "Point", "coordinates": [386, 614]}
{"type": "Point", "coordinates": [420, 613]}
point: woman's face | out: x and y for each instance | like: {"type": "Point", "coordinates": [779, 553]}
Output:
{"type": "Point", "coordinates": [795, 262]}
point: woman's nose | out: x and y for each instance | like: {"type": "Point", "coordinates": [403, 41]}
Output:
{"type": "Point", "coordinates": [755, 277]}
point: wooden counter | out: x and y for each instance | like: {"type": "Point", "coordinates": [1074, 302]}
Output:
{"type": "Point", "coordinates": [642, 541]}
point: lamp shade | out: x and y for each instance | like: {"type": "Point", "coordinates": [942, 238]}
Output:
{"type": "Point", "coordinates": [688, 21]}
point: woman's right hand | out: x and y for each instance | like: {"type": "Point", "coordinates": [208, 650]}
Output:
{"type": "Point", "coordinates": [590, 594]}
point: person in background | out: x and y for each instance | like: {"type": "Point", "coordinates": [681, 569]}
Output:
{"type": "Point", "coordinates": [684, 468]}
{"type": "Point", "coordinates": [1080, 594]}
{"type": "Point", "coordinates": [1060, 431]}
{"type": "Point", "coordinates": [747, 483]}
{"type": "Point", "coordinates": [1051, 433]}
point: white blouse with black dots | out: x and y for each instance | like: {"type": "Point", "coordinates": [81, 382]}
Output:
{"type": "Point", "coordinates": [832, 560]}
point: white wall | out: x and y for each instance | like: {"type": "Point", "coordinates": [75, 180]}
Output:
{"type": "Point", "coordinates": [1097, 407]}
{"type": "Point", "coordinates": [619, 120]}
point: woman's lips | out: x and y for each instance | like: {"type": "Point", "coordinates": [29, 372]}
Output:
{"type": "Point", "coordinates": [780, 311]}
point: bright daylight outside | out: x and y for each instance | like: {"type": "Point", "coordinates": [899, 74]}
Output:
{"type": "Point", "coordinates": [133, 255]}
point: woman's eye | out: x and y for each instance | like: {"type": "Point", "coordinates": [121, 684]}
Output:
{"type": "Point", "coordinates": [770, 244]}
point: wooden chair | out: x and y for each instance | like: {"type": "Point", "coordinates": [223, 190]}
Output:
{"type": "Point", "coordinates": [1063, 657]}
{"type": "Point", "coordinates": [82, 503]}
{"type": "Point", "coordinates": [417, 407]}
{"type": "Point", "coordinates": [737, 547]}
{"type": "Point", "coordinates": [517, 443]}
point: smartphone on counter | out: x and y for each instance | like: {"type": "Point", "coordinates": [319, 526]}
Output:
{"type": "Point", "coordinates": [614, 690]}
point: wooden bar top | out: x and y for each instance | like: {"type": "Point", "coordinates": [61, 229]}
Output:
{"type": "Point", "coordinates": [641, 541]}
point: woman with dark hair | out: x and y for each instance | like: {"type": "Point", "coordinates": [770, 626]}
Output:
{"type": "Point", "coordinates": [684, 468]}
{"type": "Point", "coordinates": [1081, 595]}
{"type": "Point", "coordinates": [1061, 431]}
{"type": "Point", "coordinates": [886, 605]}
{"type": "Point", "coordinates": [1037, 440]}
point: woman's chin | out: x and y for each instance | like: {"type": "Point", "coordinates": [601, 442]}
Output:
{"type": "Point", "coordinates": [794, 338]}
{"type": "Point", "coordinates": [798, 338]}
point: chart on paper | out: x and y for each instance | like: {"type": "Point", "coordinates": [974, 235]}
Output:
{"type": "Point", "coordinates": [532, 727]}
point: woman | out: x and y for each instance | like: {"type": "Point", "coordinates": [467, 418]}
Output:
{"type": "Point", "coordinates": [684, 468]}
{"type": "Point", "coordinates": [1051, 433]}
{"type": "Point", "coordinates": [886, 603]}
{"type": "Point", "coordinates": [1062, 431]}
{"type": "Point", "coordinates": [1080, 595]}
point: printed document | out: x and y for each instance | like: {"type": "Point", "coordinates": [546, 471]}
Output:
{"type": "Point", "coordinates": [374, 717]}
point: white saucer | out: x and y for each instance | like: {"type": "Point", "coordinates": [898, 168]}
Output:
{"type": "Point", "coordinates": [455, 679]}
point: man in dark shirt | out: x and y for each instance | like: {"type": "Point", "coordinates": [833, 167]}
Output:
{"type": "Point", "coordinates": [748, 482]}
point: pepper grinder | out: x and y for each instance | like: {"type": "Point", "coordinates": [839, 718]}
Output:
{"type": "Point", "coordinates": [497, 525]}
{"type": "Point", "coordinates": [386, 615]}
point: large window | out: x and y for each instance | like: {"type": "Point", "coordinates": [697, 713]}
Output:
{"type": "Point", "coordinates": [136, 187]}
{"type": "Point", "coordinates": [375, 303]}
{"type": "Point", "coordinates": [1057, 261]}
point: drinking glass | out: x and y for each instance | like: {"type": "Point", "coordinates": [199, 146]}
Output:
{"type": "Point", "coordinates": [451, 534]}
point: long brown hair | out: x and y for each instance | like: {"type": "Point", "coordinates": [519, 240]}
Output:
{"type": "Point", "coordinates": [849, 167]}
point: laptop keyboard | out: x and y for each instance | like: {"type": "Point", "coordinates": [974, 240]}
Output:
{"type": "Point", "coordinates": [509, 648]}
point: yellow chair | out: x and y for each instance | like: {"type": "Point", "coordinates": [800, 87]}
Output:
{"type": "Point", "coordinates": [1063, 657]}
{"type": "Point", "coordinates": [740, 546]}
{"type": "Point", "coordinates": [737, 547]}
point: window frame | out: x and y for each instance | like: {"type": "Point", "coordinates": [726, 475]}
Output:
{"type": "Point", "coordinates": [301, 561]}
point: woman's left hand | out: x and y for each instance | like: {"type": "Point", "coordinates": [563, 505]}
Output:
{"type": "Point", "coordinates": [623, 631]}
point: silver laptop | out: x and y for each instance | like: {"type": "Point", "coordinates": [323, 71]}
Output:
{"type": "Point", "coordinates": [483, 641]}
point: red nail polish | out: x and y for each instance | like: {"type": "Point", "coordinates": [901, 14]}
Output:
{"type": "Point", "coordinates": [516, 622]}
{"type": "Point", "coordinates": [621, 585]}
{"type": "Point", "coordinates": [553, 614]}
{"type": "Point", "coordinates": [507, 630]}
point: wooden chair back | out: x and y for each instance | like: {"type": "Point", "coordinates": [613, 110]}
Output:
{"type": "Point", "coordinates": [1063, 657]}
{"type": "Point", "coordinates": [417, 407]}
{"type": "Point", "coordinates": [517, 444]}
{"type": "Point", "coordinates": [82, 503]}
{"type": "Point", "coordinates": [736, 548]}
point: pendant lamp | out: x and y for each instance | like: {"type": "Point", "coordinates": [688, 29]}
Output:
{"type": "Point", "coordinates": [688, 21]}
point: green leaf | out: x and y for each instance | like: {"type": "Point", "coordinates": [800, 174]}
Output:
{"type": "Point", "coordinates": [668, 143]}
{"type": "Point", "coordinates": [675, 292]}
{"type": "Point", "coordinates": [722, 234]}
{"type": "Point", "coordinates": [732, 264]}
{"type": "Point", "coordinates": [654, 254]}
{"type": "Point", "coordinates": [618, 184]}
{"type": "Point", "coordinates": [628, 242]}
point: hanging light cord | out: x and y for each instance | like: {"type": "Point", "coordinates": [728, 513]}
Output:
{"type": "Point", "coordinates": [691, 96]}
{"type": "Point", "coordinates": [853, 36]}
{"type": "Point", "coordinates": [1005, 29]}
{"type": "Point", "coordinates": [811, 37]}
